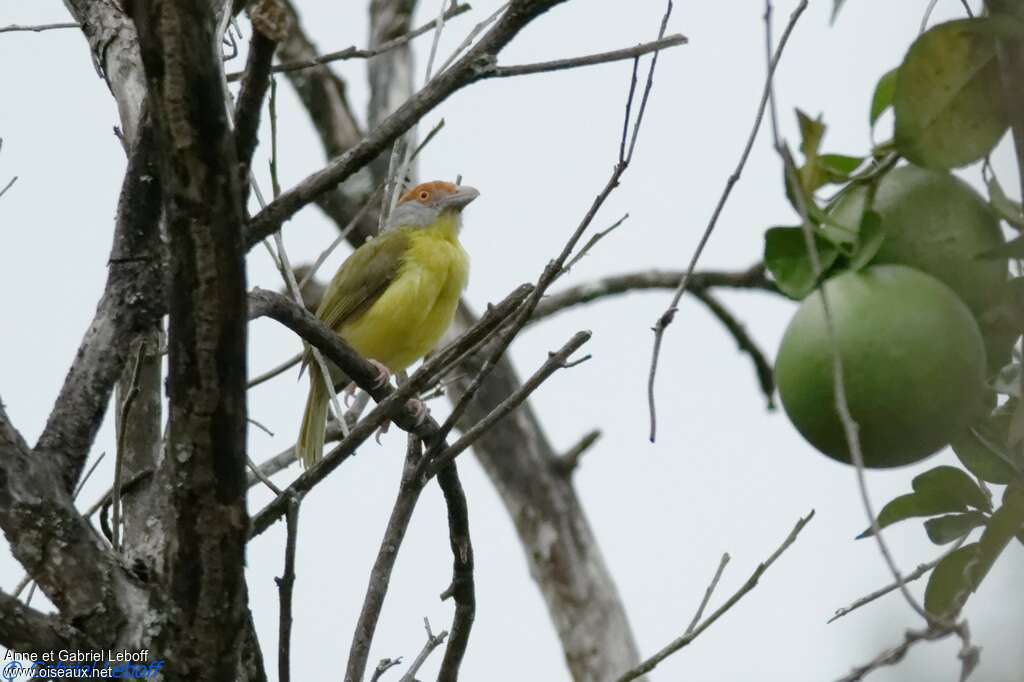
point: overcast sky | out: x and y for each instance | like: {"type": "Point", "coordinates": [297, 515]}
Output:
{"type": "Point", "coordinates": [725, 474]}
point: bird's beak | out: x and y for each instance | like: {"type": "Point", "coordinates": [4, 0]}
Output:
{"type": "Point", "coordinates": [461, 197]}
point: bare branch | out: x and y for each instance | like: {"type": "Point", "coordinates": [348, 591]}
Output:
{"type": "Point", "coordinates": [555, 362]}
{"type": "Point", "coordinates": [588, 60]}
{"type": "Point", "coordinates": [269, 23]}
{"type": "Point", "coordinates": [569, 461]}
{"type": "Point", "coordinates": [25, 630]}
{"type": "Point", "coordinates": [37, 28]}
{"type": "Point", "coordinates": [707, 593]}
{"type": "Point", "coordinates": [668, 316]}
{"type": "Point", "coordinates": [850, 427]}
{"type": "Point", "coordinates": [131, 304]}
{"type": "Point", "coordinates": [921, 570]}
{"type": "Point", "coordinates": [354, 52]}
{"type": "Point", "coordinates": [616, 285]}
{"type": "Point", "coordinates": [968, 654]}
{"type": "Point", "coordinates": [380, 575]}
{"type": "Point", "coordinates": [275, 371]}
{"type": "Point", "coordinates": [433, 641]}
{"type": "Point", "coordinates": [9, 184]}
{"type": "Point", "coordinates": [284, 589]}
{"type": "Point", "coordinates": [363, 374]}
{"type": "Point", "coordinates": [476, 64]}
{"type": "Point", "coordinates": [762, 366]}
{"type": "Point", "coordinates": [462, 589]}
{"type": "Point", "coordinates": [46, 535]}
{"type": "Point", "coordinates": [692, 634]}
{"type": "Point", "coordinates": [385, 665]}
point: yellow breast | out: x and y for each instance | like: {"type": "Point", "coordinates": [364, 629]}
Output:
{"type": "Point", "coordinates": [412, 314]}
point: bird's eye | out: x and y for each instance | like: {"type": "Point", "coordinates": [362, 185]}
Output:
{"type": "Point", "coordinates": [424, 195]}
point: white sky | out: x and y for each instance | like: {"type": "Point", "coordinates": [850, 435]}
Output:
{"type": "Point", "coordinates": [725, 475]}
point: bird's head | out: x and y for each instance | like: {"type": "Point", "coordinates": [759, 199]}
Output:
{"type": "Point", "coordinates": [425, 204]}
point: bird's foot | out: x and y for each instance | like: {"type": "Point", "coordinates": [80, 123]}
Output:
{"type": "Point", "coordinates": [420, 412]}
{"type": "Point", "coordinates": [350, 393]}
{"type": "Point", "coordinates": [383, 375]}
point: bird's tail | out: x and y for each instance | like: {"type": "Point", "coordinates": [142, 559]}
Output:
{"type": "Point", "coordinates": [310, 447]}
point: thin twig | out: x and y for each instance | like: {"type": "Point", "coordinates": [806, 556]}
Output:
{"type": "Point", "coordinates": [8, 185]}
{"type": "Point", "coordinates": [588, 60]}
{"type": "Point", "coordinates": [285, 585]}
{"type": "Point", "coordinates": [555, 268]}
{"type": "Point", "coordinates": [258, 473]}
{"type": "Point", "coordinates": [10, 28]}
{"type": "Point", "coordinates": [707, 593]}
{"type": "Point", "coordinates": [668, 316]}
{"type": "Point", "coordinates": [276, 371]}
{"type": "Point", "coordinates": [598, 236]}
{"type": "Point", "coordinates": [691, 635]}
{"type": "Point", "coordinates": [468, 40]}
{"type": "Point", "coordinates": [433, 641]}
{"type": "Point", "coordinates": [385, 665]}
{"type": "Point", "coordinates": [909, 578]}
{"type": "Point", "coordinates": [616, 285]}
{"type": "Point", "coordinates": [126, 406]}
{"type": "Point", "coordinates": [380, 575]}
{"type": "Point", "coordinates": [354, 52]}
{"type": "Point", "coordinates": [555, 362]}
{"type": "Point", "coordinates": [569, 461]}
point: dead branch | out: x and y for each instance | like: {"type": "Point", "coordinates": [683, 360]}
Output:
{"type": "Point", "coordinates": [668, 316]}
{"type": "Point", "coordinates": [694, 632]}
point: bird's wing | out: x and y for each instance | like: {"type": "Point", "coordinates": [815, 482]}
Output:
{"type": "Point", "coordinates": [362, 278]}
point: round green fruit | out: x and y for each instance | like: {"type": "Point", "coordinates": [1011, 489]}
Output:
{"type": "Point", "coordinates": [913, 365]}
{"type": "Point", "coordinates": [936, 223]}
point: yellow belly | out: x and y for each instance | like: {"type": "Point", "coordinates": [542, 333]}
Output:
{"type": "Point", "coordinates": [412, 314]}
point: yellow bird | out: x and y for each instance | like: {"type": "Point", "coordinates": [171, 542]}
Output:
{"type": "Point", "coordinates": [395, 296]}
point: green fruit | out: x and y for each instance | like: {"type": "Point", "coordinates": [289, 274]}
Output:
{"type": "Point", "coordinates": [913, 365]}
{"type": "Point", "coordinates": [936, 223]}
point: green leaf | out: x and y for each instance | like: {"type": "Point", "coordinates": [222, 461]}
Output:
{"type": "Point", "coordinates": [982, 449]}
{"type": "Point", "coordinates": [948, 99]}
{"type": "Point", "coordinates": [941, 490]}
{"type": "Point", "coordinates": [812, 130]}
{"type": "Point", "coordinates": [840, 166]}
{"type": "Point", "coordinates": [869, 240]}
{"type": "Point", "coordinates": [1005, 207]}
{"type": "Point", "coordinates": [912, 505]}
{"type": "Point", "coordinates": [785, 255]}
{"type": "Point", "coordinates": [944, 529]}
{"type": "Point", "coordinates": [1011, 249]}
{"type": "Point", "coordinates": [952, 484]}
{"type": "Point", "coordinates": [950, 583]}
{"type": "Point", "coordinates": [882, 97]}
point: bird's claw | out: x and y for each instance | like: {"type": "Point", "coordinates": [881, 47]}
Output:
{"type": "Point", "coordinates": [381, 430]}
{"type": "Point", "coordinates": [420, 412]}
{"type": "Point", "coordinates": [383, 375]}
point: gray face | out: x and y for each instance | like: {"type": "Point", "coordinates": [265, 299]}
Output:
{"type": "Point", "coordinates": [416, 212]}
